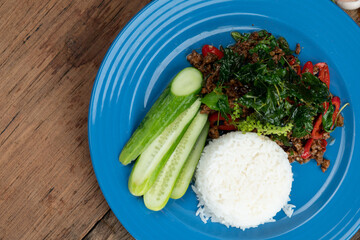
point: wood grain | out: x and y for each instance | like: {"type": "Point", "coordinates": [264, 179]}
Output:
{"type": "Point", "coordinates": [110, 228]}
{"type": "Point", "coordinates": [50, 52]}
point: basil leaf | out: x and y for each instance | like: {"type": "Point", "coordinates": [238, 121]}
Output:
{"type": "Point", "coordinates": [240, 37]}
{"type": "Point", "coordinates": [284, 45]}
{"type": "Point", "coordinates": [211, 100]}
{"type": "Point", "coordinates": [327, 119]}
{"type": "Point", "coordinates": [217, 102]}
{"type": "Point", "coordinates": [261, 49]}
{"type": "Point", "coordinates": [236, 36]}
{"type": "Point", "coordinates": [302, 118]}
{"type": "Point", "coordinates": [224, 108]}
{"type": "Point", "coordinates": [318, 90]}
{"type": "Point", "coordinates": [263, 33]}
{"type": "Point", "coordinates": [229, 64]}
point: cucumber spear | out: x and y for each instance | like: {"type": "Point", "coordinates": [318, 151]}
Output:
{"type": "Point", "coordinates": [179, 96]}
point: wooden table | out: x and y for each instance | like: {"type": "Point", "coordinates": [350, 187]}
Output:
{"type": "Point", "coordinates": [50, 52]}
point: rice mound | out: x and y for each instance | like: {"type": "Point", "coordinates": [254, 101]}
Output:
{"type": "Point", "coordinates": [243, 180]}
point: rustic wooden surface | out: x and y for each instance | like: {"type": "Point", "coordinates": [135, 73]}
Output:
{"type": "Point", "coordinates": [50, 52]}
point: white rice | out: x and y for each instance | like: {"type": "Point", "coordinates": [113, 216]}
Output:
{"type": "Point", "coordinates": [243, 180]}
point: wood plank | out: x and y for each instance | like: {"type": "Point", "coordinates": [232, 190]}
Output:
{"type": "Point", "coordinates": [356, 236]}
{"type": "Point", "coordinates": [50, 52]}
{"type": "Point", "coordinates": [354, 14]}
{"type": "Point", "coordinates": [110, 228]}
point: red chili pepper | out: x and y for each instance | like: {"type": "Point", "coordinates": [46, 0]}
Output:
{"type": "Point", "coordinates": [306, 154]}
{"type": "Point", "coordinates": [324, 74]}
{"type": "Point", "coordinates": [336, 102]}
{"type": "Point", "coordinates": [308, 67]}
{"type": "Point", "coordinates": [291, 60]}
{"type": "Point", "coordinates": [326, 106]}
{"type": "Point", "coordinates": [214, 118]}
{"type": "Point", "coordinates": [211, 49]}
{"type": "Point", "coordinates": [316, 132]}
{"type": "Point", "coordinates": [289, 101]}
{"type": "Point", "coordinates": [298, 70]}
{"type": "Point", "coordinates": [226, 126]}
{"type": "Point", "coordinates": [323, 144]}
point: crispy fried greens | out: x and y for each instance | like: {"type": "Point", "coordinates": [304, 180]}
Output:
{"type": "Point", "coordinates": [280, 100]}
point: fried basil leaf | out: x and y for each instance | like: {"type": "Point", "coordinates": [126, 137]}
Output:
{"type": "Point", "coordinates": [317, 89]}
{"type": "Point", "coordinates": [240, 37]}
{"type": "Point", "coordinates": [230, 63]}
{"type": "Point", "coordinates": [302, 118]}
{"type": "Point", "coordinates": [327, 119]}
{"type": "Point", "coordinates": [284, 45]}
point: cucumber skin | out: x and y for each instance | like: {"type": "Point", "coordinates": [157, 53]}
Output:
{"type": "Point", "coordinates": [139, 190]}
{"type": "Point", "coordinates": [148, 195]}
{"type": "Point", "coordinates": [164, 111]}
{"type": "Point", "coordinates": [188, 170]}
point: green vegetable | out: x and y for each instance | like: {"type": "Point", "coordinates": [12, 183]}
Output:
{"type": "Point", "coordinates": [318, 90]}
{"type": "Point", "coordinates": [284, 45]}
{"type": "Point", "coordinates": [262, 49]}
{"type": "Point", "coordinates": [217, 101]}
{"type": "Point", "coordinates": [277, 95]}
{"type": "Point", "coordinates": [156, 154]}
{"type": "Point", "coordinates": [284, 140]}
{"type": "Point", "coordinates": [250, 124]}
{"type": "Point", "coordinates": [158, 195]}
{"type": "Point", "coordinates": [303, 117]}
{"type": "Point", "coordinates": [187, 172]}
{"type": "Point", "coordinates": [327, 120]}
{"type": "Point", "coordinates": [230, 63]}
{"type": "Point", "coordinates": [212, 99]}
{"type": "Point", "coordinates": [237, 112]}
{"type": "Point", "coordinates": [224, 107]}
{"type": "Point", "coordinates": [240, 37]}
{"type": "Point", "coordinates": [180, 95]}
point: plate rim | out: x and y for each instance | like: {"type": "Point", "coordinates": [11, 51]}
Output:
{"type": "Point", "coordinates": [97, 82]}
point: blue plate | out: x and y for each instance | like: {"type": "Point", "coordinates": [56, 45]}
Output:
{"type": "Point", "coordinates": [152, 48]}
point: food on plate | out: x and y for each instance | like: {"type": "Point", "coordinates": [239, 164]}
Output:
{"type": "Point", "coordinates": [348, 4]}
{"type": "Point", "coordinates": [150, 162]}
{"type": "Point", "coordinates": [181, 93]}
{"type": "Point", "coordinates": [187, 172]}
{"type": "Point", "coordinates": [159, 193]}
{"type": "Point", "coordinates": [258, 85]}
{"type": "Point", "coordinates": [242, 180]}
{"type": "Point", "coordinates": [164, 149]}
{"type": "Point", "coordinates": [262, 111]}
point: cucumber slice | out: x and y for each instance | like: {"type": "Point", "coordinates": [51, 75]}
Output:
{"type": "Point", "coordinates": [184, 83]}
{"type": "Point", "coordinates": [150, 162]}
{"type": "Point", "coordinates": [158, 195]}
{"type": "Point", "coordinates": [180, 95]}
{"type": "Point", "coordinates": [187, 172]}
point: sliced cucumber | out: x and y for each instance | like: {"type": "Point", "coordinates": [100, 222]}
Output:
{"type": "Point", "coordinates": [187, 172]}
{"type": "Point", "coordinates": [172, 102]}
{"type": "Point", "coordinates": [158, 195]}
{"type": "Point", "coordinates": [150, 162]}
{"type": "Point", "coordinates": [184, 83]}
